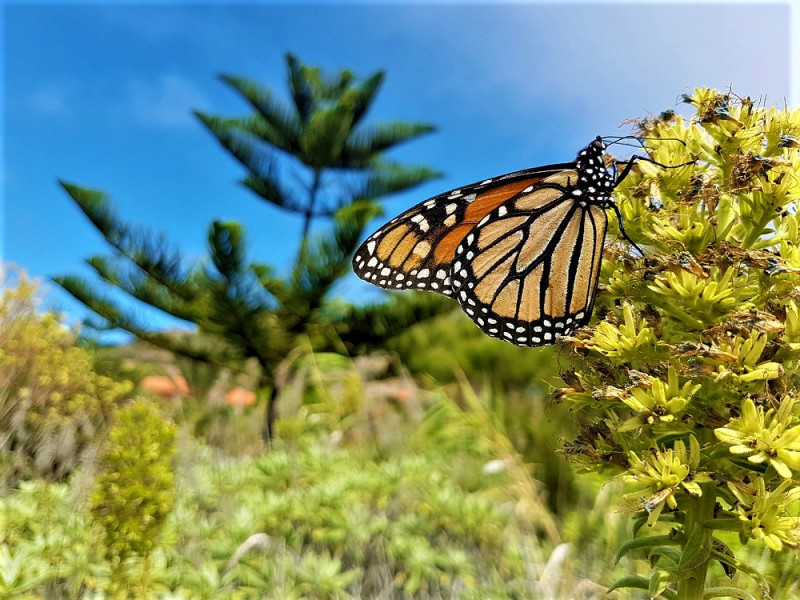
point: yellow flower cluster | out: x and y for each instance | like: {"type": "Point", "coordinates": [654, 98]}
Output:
{"type": "Point", "coordinates": [687, 383]}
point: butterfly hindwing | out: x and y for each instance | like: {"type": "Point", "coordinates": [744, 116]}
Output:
{"type": "Point", "coordinates": [527, 273]}
{"type": "Point", "coordinates": [415, 249]}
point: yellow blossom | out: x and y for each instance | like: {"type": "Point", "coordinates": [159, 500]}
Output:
{"type": "Point", "coordinates": [765, 436]}
{"type": "Point", "coordinates": [764, 514]}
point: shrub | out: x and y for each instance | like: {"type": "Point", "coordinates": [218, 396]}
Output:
{"type": "Point", "coordinates": [135, 492]}
{"type": "Point", "coordinates": [688, 383]}
{"type": "Point", "coordinates": [53, 405]}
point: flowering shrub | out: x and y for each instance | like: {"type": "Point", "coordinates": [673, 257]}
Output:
{"type": "Point", "coordinates": [687, 385]}
{"type": "Point", "coordinates": [53, 404]}
{"type": "Point", "coordinates": [135, 492]}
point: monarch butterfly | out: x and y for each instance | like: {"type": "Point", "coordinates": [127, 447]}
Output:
{"type": "Point", "coordinates": [520, 252]}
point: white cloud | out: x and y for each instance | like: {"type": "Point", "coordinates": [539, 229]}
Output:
{"type": "Point", "coordinates": [165, 102]}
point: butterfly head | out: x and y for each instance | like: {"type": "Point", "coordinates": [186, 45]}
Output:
{"type": "Point", "coordinates": [594, 179]}
{"type": "Point", "coordinates": [590, 159]}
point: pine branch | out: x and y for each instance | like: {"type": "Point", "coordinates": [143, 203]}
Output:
{"type": "Point", "coordinates": [364, 328]}
{"type": "Point", "coordinates": [363, 147]}
{"type": "Point", "coordinates": [219, 354]}
{"type": "Point", "coordinates": [364, 95]}
{"type": "Point", "coordinates": [300, 88]}
{"type": "Point", "coordinates": [280, 126]}
{"type": "Point", "coordinates": [391, 178]}
{"type": "Point", "coordinates": [237, 136]}
{"type": "Point", "coordinates": [238, 298]}
{"type": "Point", "coordinates": [145, 289]}
{"type": "Point", "coordinates": [234, 133]}
{"type": "Point", "coordinates": [324, 137]}
{"type": "Point", "coordinates": [266, 188]}
{"type": "Point", "coordinates": [275, 286]}
{"type": "Point", "coordinates": [139, 246]}
{"type": "Point", "coordinates": [323, 261]}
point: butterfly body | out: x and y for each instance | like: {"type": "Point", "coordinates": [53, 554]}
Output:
{"type": "Point", "coordinates": [520, 253]}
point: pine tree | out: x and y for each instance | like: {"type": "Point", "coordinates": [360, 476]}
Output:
{"type": "Point", "coordinates": [242, 310]}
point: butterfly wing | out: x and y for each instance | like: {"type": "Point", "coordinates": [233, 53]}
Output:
{"type": "Point", "coordinates": [527, 272]}
{"type": "Point", "coordinates": [415, 249]}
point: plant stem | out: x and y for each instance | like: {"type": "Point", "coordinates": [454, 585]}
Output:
{"type": "Point", "coordinates": [698, 511]}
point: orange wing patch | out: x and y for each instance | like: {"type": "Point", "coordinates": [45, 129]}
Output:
{"type": "Point", "coordinates": [487, 201]}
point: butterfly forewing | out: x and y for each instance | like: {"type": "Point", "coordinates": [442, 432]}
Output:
{"type": "Point", "coordinates": [528, 272]}
{"type": "Point", "coordinates": [415, 249]}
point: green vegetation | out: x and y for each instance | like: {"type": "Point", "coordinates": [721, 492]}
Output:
{"type": "Point", "coordinates": [687, 387]}
{"type": "Point", "coordinates": [134, 494]}
{"type": "Point", "coordinates": [53, 405]}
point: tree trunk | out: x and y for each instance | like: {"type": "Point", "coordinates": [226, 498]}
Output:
{"type": "Point", "coordinates": [271, 410]}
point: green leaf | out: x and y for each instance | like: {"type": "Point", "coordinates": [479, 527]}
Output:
{"type": "Point", "coordinates": [647, 542]}
{"type": "Point", "coordinates": [697, 550]}
{"type": "Point", "coordinates": [738, 565]}
{"type": "Point", "coordinates": [669, 552]}
{"type": "Point", "coordinates": [632, 581]}
{"type": "Point", "coordinates": [659, 580]}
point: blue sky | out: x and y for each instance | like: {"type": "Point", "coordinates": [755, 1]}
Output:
{"type": "Point", "coordinates": [101, 94]}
